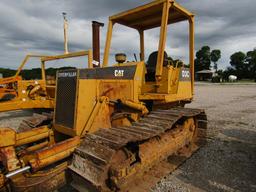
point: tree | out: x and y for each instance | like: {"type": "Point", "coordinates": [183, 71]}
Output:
{"type": "Point", "coordinates": [237, 60]}
{"type": "Point", "coordinates": [229, 71]}
{"type": "Point", "coordinates": [251, 62]}
{"type": "Point", "coordinates": [203, 59]}
{"type": "Point", "coordinates": [242, 65]}
{"type": "Point", "coordinates": [215, 56]}
{"type": "Point", "coordinates": [34, 73]}
{"type": "Point", "coordinates": [7, 72]}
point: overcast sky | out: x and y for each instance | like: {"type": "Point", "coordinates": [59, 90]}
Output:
{"type": "Point", "coordinates": [36, 26]}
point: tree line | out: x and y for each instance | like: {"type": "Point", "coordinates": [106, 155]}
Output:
{"type": "Point", "coordinates": [34, 73]}
{"type": "Point", "coordinates": [242, 65]}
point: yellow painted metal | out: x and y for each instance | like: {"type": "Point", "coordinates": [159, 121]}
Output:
{"type": "Point", "coordinates": [191, 51]}
{"type": "Point", "coordinates": [139, 11]}
{"type": "Point", "coordinates": [148, 16]}
{"type": "Point", "coordinates": [92, 107]}
{"type": "Point", "coordinates": [65, 56]}
{"type": "Point", "coordinates": [90, 58]}
{"type": "Point", "coordinates": [7, 137]}
{"type": "Point", "coordinates": [54, 153]}
{"type": "Point", "coordinates": [182, 10]}
{"type": "Point", "coordinates": [138, 106]}
{"type": "Point", "coordinates": [25, 61]}
{"type": "Point", "coordinates": [162, 41]}
{"type": "Point", "coordinates": [183, 94]}
{"type": "Point", "coordinates": [94, 115]}
{"type": "Point", "coordinates": [11, 138]}
{"type": "Point", "coordinates": [43, 70]}
{"type": "Point", "coordinates": [26, 104]}
{"type": "Point", "coordinates": [170, 80]}
{"type": "Point", "coordinates": [33, 135]}
{"type": "Point", "coordinates": [27, 99]}
{"type": "Point", "coordinates": [83, 109]}
{"type": "Point", "coordinates": [108, 42]}
{"type": "Point", "coordinates": [37, 147]}
{"type": "Point", "coordinates": [88, 87]}
{"type": "Point", "coordinates": [9, 80]}
{"type": "Point", "coordinates": [2, 181]}
{"type": "Point", "coordinates": [157, 14]}
{"type": "Point", "coordinates": [6, 82]}
{"type": "Point", "coordinates": [9, 159]}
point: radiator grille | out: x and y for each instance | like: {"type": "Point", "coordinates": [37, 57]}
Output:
{"type": "Point", "coordinates": [66, 98]}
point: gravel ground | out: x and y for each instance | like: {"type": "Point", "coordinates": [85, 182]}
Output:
{"type": "Point", "coordinates": [228, 162]}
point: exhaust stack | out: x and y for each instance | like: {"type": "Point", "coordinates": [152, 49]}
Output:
{"type": "Point", "coordinates": [96, 42]}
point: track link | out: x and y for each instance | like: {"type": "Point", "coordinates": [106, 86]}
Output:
{"type": "Point", "coordinates": [110, 159]}
{"type": "Point", "coordinates": [36, 120]}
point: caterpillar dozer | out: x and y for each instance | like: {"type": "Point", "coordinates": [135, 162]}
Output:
{"type": "Point", "coordinates": [117, 126]}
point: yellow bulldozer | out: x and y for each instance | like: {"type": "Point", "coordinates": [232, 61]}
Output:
{"type": "Point", "coordinates": [116, 124]}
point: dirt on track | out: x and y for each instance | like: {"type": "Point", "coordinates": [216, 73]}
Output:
{"type": "Point", "coordinates": [228, 162]}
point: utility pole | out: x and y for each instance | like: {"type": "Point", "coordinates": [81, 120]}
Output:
{"type": "Point", "coordinates": [65, 32]}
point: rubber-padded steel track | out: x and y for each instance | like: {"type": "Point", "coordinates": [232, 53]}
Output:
{"type": "Point", "coordinates": [93, 158]}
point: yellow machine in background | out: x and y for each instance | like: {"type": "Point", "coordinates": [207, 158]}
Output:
{"type": "Point", "coordinates": [28, 94]}
{"type": "Point", "coordinates": [18, 94]}
{"type": "Point", "coordinates": [113, 125]}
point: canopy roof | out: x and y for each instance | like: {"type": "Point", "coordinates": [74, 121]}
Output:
{"type": "Point", "coordinates": [150, 15]}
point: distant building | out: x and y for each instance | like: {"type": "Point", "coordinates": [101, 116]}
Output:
{"type": "Point", "coordinates": [204, 75]}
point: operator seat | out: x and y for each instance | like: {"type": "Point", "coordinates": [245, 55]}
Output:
{"type": "Point", "coordinates": [151, 65]}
